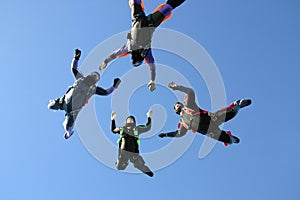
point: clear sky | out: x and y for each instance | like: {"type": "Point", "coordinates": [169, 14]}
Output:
{"type": "Point", "coordinates": [255, 46]}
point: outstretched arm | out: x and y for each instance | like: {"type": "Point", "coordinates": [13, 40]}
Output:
{"type": "Point", "coordinates": [190, 100]}
{"type": "Point", "coordinates": [74, 65]}
{"type": "Point", "coordinates": [113, 127]}
{"type": "Point", "coordinates": [179, 133]}
{"type": "Point", "coordinates": [150, 62]}
{"type": "Point", "coordinates": [103, 92]}
{"type": "Point", "coordinates": [147, 127]}
{"type": "Point", "coordinates": [123, 51]}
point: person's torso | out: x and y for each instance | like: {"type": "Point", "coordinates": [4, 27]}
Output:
{"type": "Point", "coordinates": [129, 139]}
{"type": "Point", "coordinates": [79, 93]}
{"type": "Point", "coordinates": [141, 35]}
{"type": "Point", "coordinates": [194, 118]}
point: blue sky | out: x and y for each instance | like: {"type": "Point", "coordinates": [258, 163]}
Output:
{"type": "Point", "coordinates": [255, 47]}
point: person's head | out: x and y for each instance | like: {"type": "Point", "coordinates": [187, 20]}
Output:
{"type": "Point", "coordinates": [130, 121]}
{"type": "Point", "coordinates": [136, 58]}
{"type": "Point", "coordinates": [93, 78]}
{"type": "Point", "coordinates": [178, 106]}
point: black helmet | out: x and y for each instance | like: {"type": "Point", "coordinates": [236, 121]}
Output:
{"type": "Point", "coordinates": [178, 111]}
{"type": "Point", "coordinates": [136, 58]}
{"type": "Point", "coordinates": [93, 78]}
{"type": "Point", "coordinates": [130, 124]}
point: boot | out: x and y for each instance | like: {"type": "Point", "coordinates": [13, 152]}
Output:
{"type": "Point", "coordinates": [243, 102]}
{"type": "Point", "coordinates": [175, 3]}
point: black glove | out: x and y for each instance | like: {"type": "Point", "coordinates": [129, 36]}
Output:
{"type": "Point", "coordinates": [117, 82]}
{"type": "Point", "coordinates": [77, 54]}
{"type": "Point", "coordinates": [162, 135]}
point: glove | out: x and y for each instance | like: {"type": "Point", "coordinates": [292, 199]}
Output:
{"type": "Point", "coordinates": [151, 86]}
{"type": "Point", "coordinates": [103, 65]}
{"type": "Point", "coordinates": [162, 135]}
{"type": "Point", "coordinates": [117, 82]}
{"type": "Point", "coordinates": [113, 115]}
{"type": "Point", "coordinates": [149, 113]}
{"type": "Point", "coordinates": [172, 85]}
{"type": "Point", "coordinates": [77, 54]}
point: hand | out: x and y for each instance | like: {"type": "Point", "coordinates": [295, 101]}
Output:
{"type": "Point", "coordinates": [162, 135]}
{"type": "Point", "coordinates": [113, 115]}
{"type": "Point", "coordinates": [117, 82]}
{"type": "Point", "coordinates": [149, 113]}
{"type": "Point", "coordinates": [151, 86]}
{"type": "Point", "coordinates": [103, 66]}
{"type": "Point", "coordinates": [172, 85]}
{"type": "Point", "coordinates": [77, 54]}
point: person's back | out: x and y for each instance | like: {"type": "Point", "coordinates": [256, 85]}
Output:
{"type": "Point", "coordinates": [79, 94]}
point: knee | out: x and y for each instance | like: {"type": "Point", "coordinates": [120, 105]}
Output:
{"type": "Point", "coordinates": [138, 162]}
{"type": "Point", "coordinates": [121, 165]}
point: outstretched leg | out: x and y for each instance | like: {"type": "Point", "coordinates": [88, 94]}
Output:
{"type": "Point", "coordinates": [136, 7]}
{"type": "Point", "coordinates": [229, 112]}
{"type": "Point", "coordinates": [164, 12]}
{"type": "Point", "coordinates": [69, 123]}
{"type": "Point", "coordinates": [223, 136]}
{"type": "Point", "coordinates": [139, 163]}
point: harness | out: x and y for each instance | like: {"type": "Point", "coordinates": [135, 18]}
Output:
{"type": "Point", "coordinates": [135, 133]}
{"type": "Point", "coordinates": [78, 95]}
{"type": "Point", "coordinates": [192, 115]}
{"type": "Point", "coordinates": [140, 36]}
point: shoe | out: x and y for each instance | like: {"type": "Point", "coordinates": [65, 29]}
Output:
{"type": "Point", "coordinates": [243, 102]}
{"type": "Point", "coordinates": [149, 173]}
{"type": "Point", "coordinates": [54, 104]}
{"type": "Point", "coordinates": [68, 134]}
{"type": "Point", "coordinates": [233, 139]}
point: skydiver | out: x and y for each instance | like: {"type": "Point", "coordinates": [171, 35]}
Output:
{"type": "Point", "coordinates": [139, 39]}
{"type": "Point", "coordinates": [198, 120]}
{"type": "Point", "coordinates": [129, 143]}
{"type": "Point", "coordinates": [78, 94]}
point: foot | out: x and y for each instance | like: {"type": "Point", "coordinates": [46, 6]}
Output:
{"type": "Point", "coordinates": [243, 102]}
{"type": "Point", "coordinates": [54, 104]}
{"type": "Point", "coordinates": [68, 134]}
{"type": "Point", "coordinates": [149, 173]}
{"type": "Point", "coordinates": [233, 139]}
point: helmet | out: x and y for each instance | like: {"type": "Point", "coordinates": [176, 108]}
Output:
{"type": "Point", "coordinates": [93, 78]}
{"type": "Point", "coordinates": [136, 58]}
{"type": "Point", "coordinates": [131, 124]}
{"type": "Point", "coordinates": [178, 109]}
